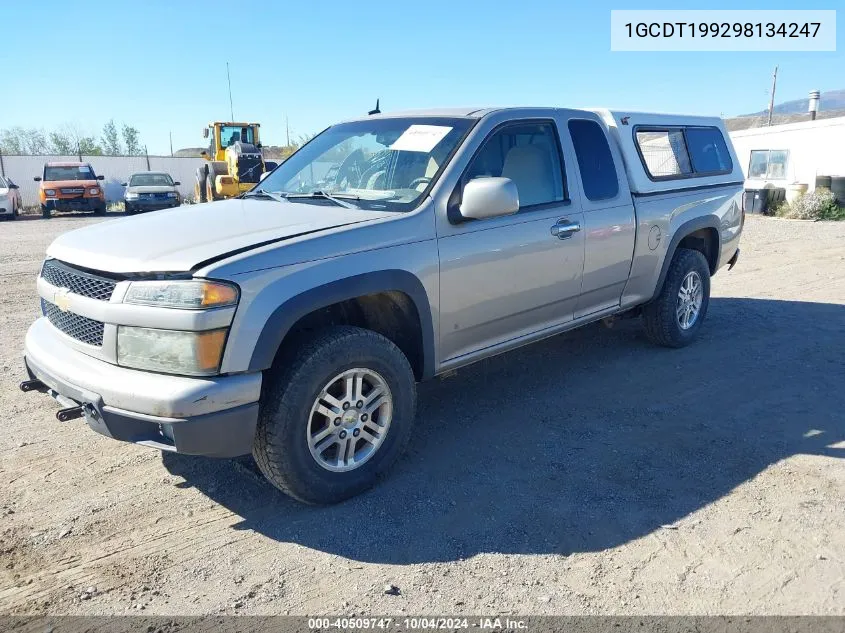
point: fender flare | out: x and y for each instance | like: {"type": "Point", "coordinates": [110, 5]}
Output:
{"type": "Point", "coordinates": [288, 313]}
{"type": "Point", "coordinates": [691, 226]}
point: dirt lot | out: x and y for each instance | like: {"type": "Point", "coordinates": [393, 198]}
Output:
{"type": "Point", "coordinates": [591, 473]}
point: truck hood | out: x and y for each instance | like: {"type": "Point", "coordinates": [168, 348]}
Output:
{"type": "Point", "coordinates": [179, 239]}
{"type": "Point", "coordinates": [57, 184]}
{"type": "Point", "coordinates": [150, 188]}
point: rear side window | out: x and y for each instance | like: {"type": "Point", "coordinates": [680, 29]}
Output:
{"type": "Point", "coordinates": [595, 162]}
{"type": "Point", "coordinates": [707, 150]}
{"type": "Point", "coordinates": [683, 152]}
{"type": "Point", "coordinates": [664, 153]}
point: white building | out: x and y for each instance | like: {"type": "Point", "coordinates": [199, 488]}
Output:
{"type": "Point", "coordinates": [781, 155]}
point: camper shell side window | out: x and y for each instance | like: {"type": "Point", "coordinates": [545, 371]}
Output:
{"type": "Point", "coordinates": [678, 152]}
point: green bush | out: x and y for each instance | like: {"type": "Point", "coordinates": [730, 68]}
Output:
{"type": "Point", "coordinates": [816, 205]}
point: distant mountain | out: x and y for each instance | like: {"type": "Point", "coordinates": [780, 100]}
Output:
{"type": "Point", "coordinates": [830, 100]}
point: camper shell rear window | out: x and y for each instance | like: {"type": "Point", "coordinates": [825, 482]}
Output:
{"type": "Point", "coordinates": [678, 152]}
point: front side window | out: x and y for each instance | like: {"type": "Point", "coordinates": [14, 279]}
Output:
{"type": "Point", "coordinates": [150, 180]}
{"type": "Point", "coordinates": [768, 164]}
{"type": "Point", "coordinates": [73, 172]}
{"type": "Point", "coordinates": [664, 153]}
{"type": "Point", "coordinates": [528, 154]}
{"type": "Point", "coordinates": [231, 134]}
{"type": "Point", "coordinates": [595, 162]}
{"type": "Point", "coordinates": [385, 163]}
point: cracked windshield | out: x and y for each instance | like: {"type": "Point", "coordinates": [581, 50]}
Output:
{"type": "Point", "coordinates": [383, 164]}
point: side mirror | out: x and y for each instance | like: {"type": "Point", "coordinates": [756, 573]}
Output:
{"type": "Point", "coordinates": [13, 186]}
{"type": "Point", "coordinates": [37, 179]}
{"type": "Point", "coordinates": [263, 176]}
{"type": "Point", "coordinates": [205, 132]}
{"type": "Point", "coordinates": [124, 184]}
{"type": "Point", "coordinates": [101, 177]}
{"type": "Point", "coordinates": [489, 198]}
{"type": "Point", "coordinates": [177, 183]}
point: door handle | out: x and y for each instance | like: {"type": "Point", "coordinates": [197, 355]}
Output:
{"type": "Point", "coordinates": [564, 229]}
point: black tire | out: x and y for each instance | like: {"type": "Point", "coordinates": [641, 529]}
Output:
{"type": "Point", "coordinates": [290, 389]}
{"type": "Point", "coordinates": [100, 210]}
{"type": "Point", "coordinates": [127, 208]}
{"type": "Point", "coordinates": [45, 212]}
{"type": "Point", "coordinates": [660, 318]}
{"type": "Point", "coordinates": [199, 192]}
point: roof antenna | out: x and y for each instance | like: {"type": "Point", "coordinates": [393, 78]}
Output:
{"type": "Point", "coordinates": [376, 111]}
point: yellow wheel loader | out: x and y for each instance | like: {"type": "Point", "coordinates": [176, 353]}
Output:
{"type": "Point", "coordinates": [234, 161]}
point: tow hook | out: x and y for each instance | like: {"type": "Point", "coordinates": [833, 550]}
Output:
{"type": "Point", "coordinates": [71, 413]}
{"type": "Point", "coordinates": [32, 385]}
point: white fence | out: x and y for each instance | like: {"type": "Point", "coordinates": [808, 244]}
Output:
{"type": "Point", "coordinates": [114, 169]}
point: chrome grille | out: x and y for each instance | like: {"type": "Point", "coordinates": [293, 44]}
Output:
{"type": "Point", "coordinates": [78, 282]}
{"type": "Point", "coordinates": [73, 190]}
{"type": "Point", "coordinates": [75, 326]}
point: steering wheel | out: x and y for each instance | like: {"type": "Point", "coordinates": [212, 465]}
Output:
{"type": "Point", "coordinates": [349, 169]}
{"type": "Point", "coordinates": [417, 181]}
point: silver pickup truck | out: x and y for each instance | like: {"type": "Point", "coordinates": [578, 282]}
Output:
{"type": "Point", "coordinates": [294, 321]}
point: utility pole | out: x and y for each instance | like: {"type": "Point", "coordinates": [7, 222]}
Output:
{"type": "Point", "coordinates": [287, 132]}
{"type": "Point", "coordinates": [772, 97]}
{"type": "Point", "coordinates": [171, 143]}
{"type": "Point", "coordinates": [229, 80]}
{"type": "Point", "coordinates": [147, 154]}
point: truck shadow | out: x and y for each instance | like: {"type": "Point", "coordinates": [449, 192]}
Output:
{"type": "Point", "coordinates": [579, 443]}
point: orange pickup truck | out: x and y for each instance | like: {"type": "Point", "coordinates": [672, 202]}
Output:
{"type": "Point", "coordinates": [69, 186]}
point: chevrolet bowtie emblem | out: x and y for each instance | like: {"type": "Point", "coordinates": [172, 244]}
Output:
{"type": "Point", "coordinates": [62, 299]}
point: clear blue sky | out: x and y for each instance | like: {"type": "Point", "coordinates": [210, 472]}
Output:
{"type": "Point", "coordinates": [160, 65]}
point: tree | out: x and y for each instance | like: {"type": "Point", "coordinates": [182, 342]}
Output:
{"type": "Point", "coordinates": [34, 141]}
{"type": "Point", "coordinates": [87, 146]}
{"type": "Point", "coordinates": [61, 144]}
{"type": "Point", "coordinates": [111, 139]}
{"type": "Point", "coordinates": [131, 141]}
{"type": "Point", "coordinates": [11, 141]}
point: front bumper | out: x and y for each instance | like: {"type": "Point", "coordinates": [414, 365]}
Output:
{"type": "Point", "coordinates": [75, 204]}
{"type": "Point", "coordinates": [198, 416]}
{"type": "Point", "coordinates": [151, 205]}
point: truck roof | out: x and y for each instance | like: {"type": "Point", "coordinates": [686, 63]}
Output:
{"type": "Point", "coordinates": [65, 163]}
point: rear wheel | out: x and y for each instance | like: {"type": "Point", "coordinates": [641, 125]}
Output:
{"type": "Point", "coordinates": [335, 415]}
{"type": "Point", "coordinates": [675, 316]}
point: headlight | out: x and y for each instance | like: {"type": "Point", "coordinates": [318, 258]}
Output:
{"type": "Point", "coordinates": [170, 351]}
{"type": "Point", "coordinates": [93, 191]}
{"type": "Point", "coordinates": [131, 195]}
{"type": "Point", "coordinates": [188, 294]}
{"type": "Point", "coordinates": [172, 194]}
{"type": "Point", "coordinates": [50, 192]}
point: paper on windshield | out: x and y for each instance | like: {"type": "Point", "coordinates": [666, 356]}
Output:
{"type": "Point", "coordinates": [421, 138]}
{"type": "Point", "coordinates": [84, 169]}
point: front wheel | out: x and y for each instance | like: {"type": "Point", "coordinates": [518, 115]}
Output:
{"type": "Point", "coordinates": [675, 316]}
{"type": "Point", "coordinates": [335, 415]}
{"type": "Point", "coordinates": [46, 213]}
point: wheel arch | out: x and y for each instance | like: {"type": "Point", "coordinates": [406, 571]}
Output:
{"type": "Point", "coordinates": [700, 234]}
{"type": "Point", "coordinates": [384, 301]}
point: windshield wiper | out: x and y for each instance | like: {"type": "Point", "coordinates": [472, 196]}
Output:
{"type": "Point", "coordinates": [261, 193]}
{"type": "Point", "coordinates": [336, 198]}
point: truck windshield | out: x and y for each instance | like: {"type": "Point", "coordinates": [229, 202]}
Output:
{"type": "Point", "coordinates": [150, 180]}
{"type": "Point", "coordinates": [384, 164]}
{"type": "Point", "coordinates": [230, 134]}
{"type": "Point", "coordinates": [73, 172]}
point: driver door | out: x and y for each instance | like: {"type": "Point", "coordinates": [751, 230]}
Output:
{"type": "Point", "coordinates": [507, 277]}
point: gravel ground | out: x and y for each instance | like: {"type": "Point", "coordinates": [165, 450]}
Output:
{"type": "Point", "coordinates": [588, 474]}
